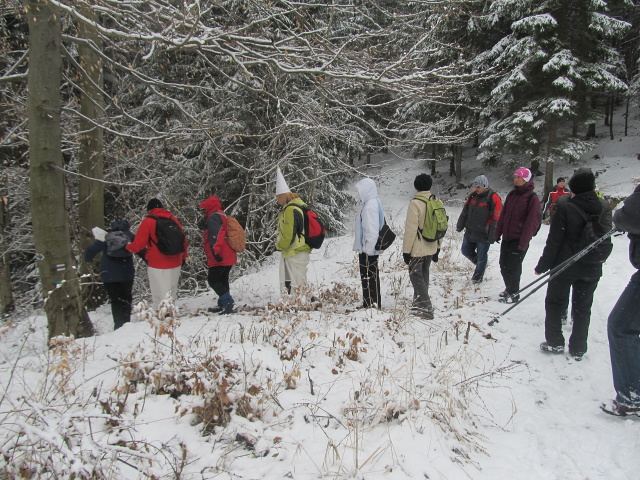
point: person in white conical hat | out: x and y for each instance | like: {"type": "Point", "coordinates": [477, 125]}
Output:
{"type": "Point", "coordinates": [291, 243]}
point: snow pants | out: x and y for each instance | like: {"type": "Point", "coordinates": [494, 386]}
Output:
{"type": "Point", "coordinates": [121, 298]}
{"type": "Point", "coordinates": [218, 279]}
{"type": "Point", "coordinates": [511, 259]}
{"type": "Point", "coordinates": [624, 344]}
{"type": "Point", "coordinates": [556, 303]}
{"type": "Point", "coordinates": [370, 277]}
{"type": "Point", "coordinates": [163, 281]}
{"type": "Point", "coordinates": [293, 271]}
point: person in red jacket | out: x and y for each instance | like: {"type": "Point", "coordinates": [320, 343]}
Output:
{"type": "Point", "coordinates": [163, 270]}
{"type": "Point", "coordinates": [518, 223]}
{"type": "Point", "coordinates": [220, 256]}
{"type": "Point", "coordinates": [558, 191]}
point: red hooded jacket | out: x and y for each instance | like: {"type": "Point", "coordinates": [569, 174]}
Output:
{"type": "Point", "coordinates": [146, 238]}
{"type": "Point", "coordinates": [215, 236]}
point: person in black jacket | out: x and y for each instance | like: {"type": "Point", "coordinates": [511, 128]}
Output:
{"type": "Point", "coordinates": [478, 219]}
{"type": "Point", "coordinates": [116, 272]}
{"type": "Point", "coordinates": [562, 243]}
{"type": "Point", "coordinates": [624, 321]}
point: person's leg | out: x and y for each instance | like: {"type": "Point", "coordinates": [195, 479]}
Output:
{"type": "Point", "coordinates": [173, 279]}
{"type": "Point", "coordinates": [297, 267]}
{"type": "Point", "coordinates": [419, 277]}
{"type": "Point", "coordinates": [623, 329]}
{"type": "Point", "coordinates": [285, 276]}
{"type": "Point", "coordinates": [468, 249]}
{"type": "Point", "coordinates": [581, 301]}
{"type": "Point", "coordinates": [482, 249]}
{"type": "Point", "coordinates": [555, 303]}
{"type": "Point", "coordinates": [370, 279]}
{"type": "Point", "coordinates": [511, 265]}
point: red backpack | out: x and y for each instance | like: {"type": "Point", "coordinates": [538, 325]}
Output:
{"type": "Point", "coordinates": [314, 229]}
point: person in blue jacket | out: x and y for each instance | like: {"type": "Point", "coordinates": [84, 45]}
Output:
{"type": "Point", "coordinates": [117, 271]}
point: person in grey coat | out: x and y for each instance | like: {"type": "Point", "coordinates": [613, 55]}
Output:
{"type": "Point", "coordinates": [623, 327]}
{"type": "Point", "coordinates": [478, 219]}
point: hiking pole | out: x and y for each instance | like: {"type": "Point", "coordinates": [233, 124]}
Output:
{"type": "Point", "coordinates": [556, 271]}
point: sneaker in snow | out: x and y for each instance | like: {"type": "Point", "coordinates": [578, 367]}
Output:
{"type": "Point", "coordinates": [545, 347]}
{"type": "Point", "coordinates": [620, 409]}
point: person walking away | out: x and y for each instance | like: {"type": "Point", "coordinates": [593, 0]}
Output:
{"type": "Point", "coordinates": [117, 270]}
{"type": "Point", "coordinates": [367, 227]}
{"type": "Point", "coordinates": [291, 243]}
{"type": "Point", "coordinates": [558, 191]}
{"type": "Point", "coordinates": [479, 219]}
{"type": "Point", "coordinates": [164, 255]}
{"type": "Point", "coordinates": [623, 327]}
{"type": "Point", "coordinates": [518, 223]}
{"type": "Point", "coordinates": [417, 252]}
{"type": "Point", "coordinates": [582, 277]}
{"type": "Point", "coordinates": [220, 256]}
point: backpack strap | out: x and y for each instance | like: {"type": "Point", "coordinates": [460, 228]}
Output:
{"type": "Point", "coordinates": [301, 228]}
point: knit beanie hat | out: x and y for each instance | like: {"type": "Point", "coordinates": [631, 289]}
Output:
{"type": "Point", "coordinates": [423, 182]}
{"type": "Point", "coordinates": [560, 179]}
{"type": "Point", "coordinates": [481, 181]}
{"type": "Point", "coordinates": [281, 183]}
{"type": "Point", "coordinates": [583, 180]}
{"type": "Point", "coordinates": [523, 173]}
{"type": "Point", "coordinates": [154, 203]}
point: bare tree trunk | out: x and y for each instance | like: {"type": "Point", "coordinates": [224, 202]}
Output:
{"type": "Point", "coordinates": [548, 171]}
{"type": "Point", "coordinates": [91, 157]}
{"type": "Point", "coordinates": [7, 304]}
{"type": "Point", "coordinates": [56, 264]}
{"type": "Point", "coordinates": [611, 105]}
{"type": "Point", "coordinates": [434, 152]}
{"type": "Point", "coordinates": [626, 118]}
{"type": "Point", "coordinates": [458, 163]}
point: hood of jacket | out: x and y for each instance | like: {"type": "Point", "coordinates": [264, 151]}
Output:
{"type": "Point", "coordinates": [527, 187]}
{"type": "Point", "coordinates": [367, 189]}
{"type": "Point", "coordinates": [587, 201]}
{"type": "Point", "coordinates": [120, 225]}
{"type": "Point", "coordinates": [211, 204]}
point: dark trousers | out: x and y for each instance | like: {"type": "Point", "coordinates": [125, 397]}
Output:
{"type": "Point", "coordinates": [370, 277]}
{"type": "Point", "coordinates": [218, 279]}
{"type": "Point", "coordinates": [624, 344]}
{"type": "Point", "coordinates": [121, 298]}
{"type": "Point", "coordinates": [511, 264]}
{"type": "Point", "coordinates": [556, 303]}
{"type": "Point", "coordinates": [478, 253]}
{"type": "Point", "coordinates": [419, 276]}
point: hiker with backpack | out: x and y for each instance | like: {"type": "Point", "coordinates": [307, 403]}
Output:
{"type": "Point", "coordinates": [295, 252]}
{"type": "Point", "coordinates": [367, 228]}
{"type": "Point", "coordinates": [623, 327]}
{"type": "Point", "coordinates": [221, 257]}
{"type": "Point", "coordinates": [478, 219]}
{"type": "Point", "coordinates": [162, 235]}
{"type": "Point", "coordinates": [518, 223]}
{"type": "Point", "coordinates": [419, 249]}
{"type": "Point", "coordinates": [558, 192]}
{"type": "Point", "coordinates": [577, 223]}
{"type": "Point", "coordinates": [117, 270]}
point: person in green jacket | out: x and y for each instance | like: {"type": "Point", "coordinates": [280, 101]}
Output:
{"type": "Point", "coordinates": [295, 252]}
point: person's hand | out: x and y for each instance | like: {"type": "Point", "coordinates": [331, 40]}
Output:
{"type": "Point", "coordinates": [434, 257]}
{"type": "Point", "coordinates": [217, 257]}
{"type": "Point", "coordinates": [406, 257]}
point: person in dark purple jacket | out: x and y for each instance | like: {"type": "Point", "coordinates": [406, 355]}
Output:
{"type": "Point", "coordinates": [518, 223]}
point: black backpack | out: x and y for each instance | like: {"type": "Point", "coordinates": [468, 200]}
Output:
{"type": "Point", "coordinates": [116, 241]}
{"type": "Point", "coordinates": [170, 236]}
{"type": "Point", "coordinates": [595, 227]}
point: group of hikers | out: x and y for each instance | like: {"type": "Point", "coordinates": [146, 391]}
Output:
{"type": "Point", "coordinates": [160, 241]}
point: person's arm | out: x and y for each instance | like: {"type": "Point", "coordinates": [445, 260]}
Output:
{"type": "Point", "coordinates": [142, 237]}
{"type": "Point", "coordinates": [214, 228]}
{"type": "Point", "coordinates": [411, 226]}
{"type": "Point", "coordinates": [288, 226]}
{"type": "Point", "coordinates": [462, 219]}
{"type": "Point", "coordinates": [627, 218]}
{"type": "Point", "coordinates": [531, 224]}
{"type": "Point", "coordinates": [93, 250]}
{"type": "Point", "coordinates": [494, 217]}
{"type": "Point", "coordinates": [555, 239]}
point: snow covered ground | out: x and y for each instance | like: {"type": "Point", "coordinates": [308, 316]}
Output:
{"type": "Point", "coordinates": [335, 392]}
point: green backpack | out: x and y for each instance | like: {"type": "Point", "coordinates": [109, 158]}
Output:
{"type": "Point", "coordinates": [436, 221]}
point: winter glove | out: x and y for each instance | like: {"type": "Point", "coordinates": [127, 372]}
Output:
{"type": "Point", "coordinates": [434, 257]}
{"type": "Point", "coordinates": [406, 257]}
{"type": "Point", "coordinates": [217, 257]}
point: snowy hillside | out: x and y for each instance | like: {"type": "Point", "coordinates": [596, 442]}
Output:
{"type": "Point", "coordinates": [334, 392]}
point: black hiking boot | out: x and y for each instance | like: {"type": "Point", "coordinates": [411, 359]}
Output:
{"type": "Point", "coordinates": [229, 309]}
{"type": "Point", "coordinates": [545, 347]}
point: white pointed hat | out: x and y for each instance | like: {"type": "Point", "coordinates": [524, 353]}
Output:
{"type": "Point", "coordinates": [281, 183]}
